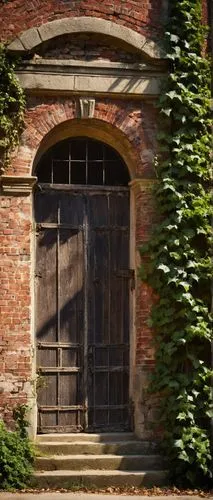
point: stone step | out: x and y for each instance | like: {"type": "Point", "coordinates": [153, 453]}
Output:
{"type": "Point", "coordinates": [99, 462]}
{"type": "Point", "coordinates": [90, 448]}
{"type": "Point", "coordinates": [97, 478]}
{"type": "Point", "coordinates": [78, 437]}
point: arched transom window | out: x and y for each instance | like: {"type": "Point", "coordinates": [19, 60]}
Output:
{"type": "Point", "coordinates": [82, 161]}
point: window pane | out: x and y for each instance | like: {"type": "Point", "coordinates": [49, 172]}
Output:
{"type": "Point", "coordinates": [116, 174]}
{"type": "Point", "coordinates": [61, 150]}
{"type": "Point", "coordinates": [44, 168]}
{"type": "Point", "coordinates": [110, 154]}
{"type": "Point", "coordinates": [95, 173]}
{"type": "Point", "coordinates": [78, 173]}
{"type": "Point", "coordinates": [60, 172]}
{"type": "Point", "coordinates": [78, 149]}
{"type": "Point", "coordinates": [44, 173]}
{"type": "Point", "coordinates": [95, 150]}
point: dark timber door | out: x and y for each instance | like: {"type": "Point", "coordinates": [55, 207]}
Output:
{"type": "Point", "coordinates": [83, 284]}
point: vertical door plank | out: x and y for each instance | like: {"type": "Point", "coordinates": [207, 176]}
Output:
{"type": "Point", "coordinates": [71, 285]}
{"type": "Point", "coordinates": [46, 320]}
{"type": "Point", "coordinates": [46, 286]}
{"type": "Point", "coordinates": [72, 208]}
{"type": "Point", "coordinates": [98, 311]}
{"type": "Point", "coordinates": [46, 206]}
{"type": "Point", "coordinates": [98, 314]}
{"type": "Point", "coordinates": [60, 298]}
{"type": "Point", "coordinates": [108, 310]}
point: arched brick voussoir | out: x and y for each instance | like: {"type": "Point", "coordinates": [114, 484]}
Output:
{"type": "Point", "coordinates": [49, 122]}
{"type": "Point", "coordinates": [33, 37]}
{"type": "Point", "coordinates": [94, 129]}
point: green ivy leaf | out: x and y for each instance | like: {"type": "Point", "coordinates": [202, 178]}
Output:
{"type": "Point", "coordinates": [164, 268]}
{"type": "Point", "coordinates": [166, 111]}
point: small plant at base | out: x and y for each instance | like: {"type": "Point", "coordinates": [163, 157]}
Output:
{"type": "Point", "coordinates": [179, 267]}
{"type": "Point", "coordinates": [20, 416]}
{"type": "Point", "coordinates": [16, 453]}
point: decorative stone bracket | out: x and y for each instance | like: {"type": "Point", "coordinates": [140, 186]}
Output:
{"type": "Point", "coordinates": [86, 108]}
{"type": "Point", "coordinates": [17, 185]}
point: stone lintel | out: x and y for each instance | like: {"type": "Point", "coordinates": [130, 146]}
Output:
{"type": "Point", "coordinates": [17, 185]}
{"type": "Point", "coordinates": [53, 81]}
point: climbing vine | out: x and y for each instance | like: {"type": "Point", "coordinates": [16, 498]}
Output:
{"type": "Point", "coordinates": [12, 105]}
{"type": "Point", "coordinates": [177, 260]}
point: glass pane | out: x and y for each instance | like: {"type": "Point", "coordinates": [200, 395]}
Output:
{"type": "Point", "coordinates": [61, 150]}
{"type": "Point", "coordinates": [110, 154]}
{"type": "Point", "coordinates": [60, 172]}
{"type": "Point", "coordinates": [116, 174]}
{"type": "Point", "coordinates": [44, 168]}
{"type": "Point", "coordinates": [78, 173]}
{"type": "Point", "coordinates": [78, 149]}
{"type": "Point", "coordinates": [95, 150]}
{"type": "Point", "coordinates": [95, 173]}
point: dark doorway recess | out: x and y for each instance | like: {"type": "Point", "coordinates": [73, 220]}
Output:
{"type": "Point", "coordinates": [83, 283]}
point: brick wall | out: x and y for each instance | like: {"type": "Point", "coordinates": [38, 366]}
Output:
{"type": "Point", "coordinates": [87, 47]}
{"type": "Point", "coordinates": [135, 123]}
{"type": "Point", "coordinates": [15, 301]}
{"type": "Point", "coordinates": [145, 16]}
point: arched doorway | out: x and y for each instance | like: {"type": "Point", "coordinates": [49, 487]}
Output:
{"type": "Point", "coordinates": [83, 284]}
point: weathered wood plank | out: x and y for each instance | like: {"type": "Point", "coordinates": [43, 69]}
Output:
{"type": "Point", "coordinates": [46, 286]}
{"type": "Point", "coordinates": [83, 349]}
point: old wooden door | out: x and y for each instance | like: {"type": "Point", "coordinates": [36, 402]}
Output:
{"type": "Point", "coordinates": [83, 284]}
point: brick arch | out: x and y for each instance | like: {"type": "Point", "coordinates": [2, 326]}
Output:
{"type": "Point", "coordinates": [94, 129]}
{"type": "Point", "coordinates": [30, 39]}
{"type": "Point", "coordinates": [49, 123]}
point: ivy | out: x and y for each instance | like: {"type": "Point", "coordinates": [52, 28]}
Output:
{"type": "Point", "coordinates": [177, 259]}
{"type": "Point", "coordinates": [12, 105]}
{"type": "Point", "coordinates": [17, 453]}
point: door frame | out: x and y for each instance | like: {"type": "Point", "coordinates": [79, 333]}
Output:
{"type": "Point", "coordinates": [132, 259]}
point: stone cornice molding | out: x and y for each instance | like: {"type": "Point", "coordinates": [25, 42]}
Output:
{"type": "Point", "coordinates": [17, 185]}
{"type": "Point", "coordinates": [39, 64]}
{"type": "Point", "coordinates": [33, 37]}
